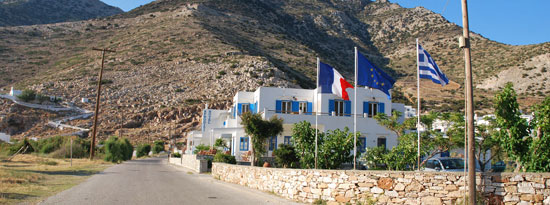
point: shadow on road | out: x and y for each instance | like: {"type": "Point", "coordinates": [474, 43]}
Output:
{"type": "Point", "coordinates": [15, 196]}
{"type": "Point", "coordinates": [71, 172]}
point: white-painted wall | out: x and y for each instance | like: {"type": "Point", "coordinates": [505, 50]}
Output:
{"type": "Point", "coordinates": [14, 92]}
{"type": "Point", "coordinates": [4, 137]}
{"type": "Point", "coordinates": [213, 126]}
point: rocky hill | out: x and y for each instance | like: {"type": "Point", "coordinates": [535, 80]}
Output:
{"type": "Point", "coordinates": [174, 56]}
{"type": "Point", "coordinates": [30, 12]}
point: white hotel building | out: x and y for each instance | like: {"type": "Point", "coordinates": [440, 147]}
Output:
{"type": "Point", "coordinates": [293, 106]}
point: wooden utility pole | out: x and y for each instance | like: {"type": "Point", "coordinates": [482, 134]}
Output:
{"type": "Point", "coordinates": [465, 44]}
{"type": "Point", "coordinates": [103, 51]}
{"type": "Point", "coordinates": [121, 122]}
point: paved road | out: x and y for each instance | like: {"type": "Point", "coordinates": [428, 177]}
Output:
{"type": "Point", "coordinates": [153, 181]}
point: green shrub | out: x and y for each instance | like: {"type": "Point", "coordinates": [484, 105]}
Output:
{"type": "Point", "coordinates": [27, 95]}
{"type": "Point", "coordinates": [49, 145]}
{"type": "Point", "coordinates": [48, 148]}
{"type": "Point", "coordinates": [118, 150]}
{"type": "Point", "coordinates": [17, 146]}
{"type": "Point", "coordinates": [176, 155]}
{"type": "Point", "coordinates": [143, 150]}
{"type": "Point", "coordinates": [201, 147]}
{"type": "Point", "coordinates": [48, 162]}
{"type": "Point", "coordinates": [158, 146]}
{"type": "Point", "coordinates": [225, 158]}
{"type": "Point", "coordinates": [285, 156]}
{"type": "Point", "coordinates": [81, 149]}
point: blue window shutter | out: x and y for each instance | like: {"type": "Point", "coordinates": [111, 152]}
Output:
{"type": "Point", "coordinates": [295, 106]}
{"type": "Point", "coordinates": [366, 107]}
{"type": "Point", "coordinates": [381, 108]}
{"type": "Point", "coordinates": [239, 108]}
{"type": "Point", "coordinates": [273, 143]}
{"type": "Point", "coordinates": [243, 145]}
{"type": "Point", "coordinates": [347, 108]}
{"type": "Point", "coordinates": [330, 107]}
{"type": "Point", "coordinates": [278, 106]}
{"type": "Point", "coordinates": [241, 142]}
{"type": "Point", "coordinates": [252, 108]}
{"type": "Point", "coordinates": [309, 108]}
{"type": "Point", "coordinates": [363, 142]}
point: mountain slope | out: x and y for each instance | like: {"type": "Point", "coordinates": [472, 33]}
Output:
{"type": "Point", "coordinates": [29, 12]}
{"type": "Point", "coordinates": [174, 56]}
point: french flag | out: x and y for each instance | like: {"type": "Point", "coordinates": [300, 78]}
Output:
{"type": "Point", "coordinates": [330, 81]}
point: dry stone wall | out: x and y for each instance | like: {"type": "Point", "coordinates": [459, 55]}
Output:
{"type": "Point", "coordinates": [386, 187]}
{"type": "Point", "coordinates": [191, 162]}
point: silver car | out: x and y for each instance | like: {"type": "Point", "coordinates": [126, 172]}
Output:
{"type": "Point", "coordinates": [445, 164]}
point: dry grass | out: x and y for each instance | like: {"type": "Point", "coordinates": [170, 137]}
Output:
{"type": "Point", "coordinates": [32, 178]}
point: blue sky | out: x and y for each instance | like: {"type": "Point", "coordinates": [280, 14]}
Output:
{"type": "Point", "coordinates": [511, 22]}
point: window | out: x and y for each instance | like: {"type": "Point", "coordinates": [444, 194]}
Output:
{"type": "Point", "coordinates": [286, 107]}
{"type": "Point", "coordinates": [303, 107]}
{"type": "Point", "coordinates": [373, 109]}
{"type": "Point", "coordinates": [287, 140]}
{"type": "Point", "coordinates": [243, 145]}
{"type": "Point", "coordinates": [339, 108]}
{"type": "Point", "coordinates": [273, 143]}
{"type": "Point", "coordinates": [381, 142]}
{"type": "Point", "coordinates": [245, 108]}
{"type": "Point", "coordinates": [363, 143]}
{"type": "Point", "coordinates": [430, 164]}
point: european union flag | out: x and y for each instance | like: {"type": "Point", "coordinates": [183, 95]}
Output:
{"type": "Point", "coordinates": [371, 76]}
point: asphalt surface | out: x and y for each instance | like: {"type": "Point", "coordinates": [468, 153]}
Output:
{"type": "Point", "coordinates": [153, 181]}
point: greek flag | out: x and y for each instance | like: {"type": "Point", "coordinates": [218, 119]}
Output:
{"type": "Point", "coordinates": [428, 69]}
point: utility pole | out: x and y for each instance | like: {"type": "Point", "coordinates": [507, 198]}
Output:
{"type": "Point", "coordinates": [465, 44]}
{"type": "Point", "coordinates": [94, 132]}
{"type": "Point", "coordinates": [120, 132]}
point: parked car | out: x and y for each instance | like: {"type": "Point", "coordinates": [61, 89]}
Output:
{"type": "Point", "coordinates": [445, 164]}
{"type": "Point", "coordinates": [499, 166]}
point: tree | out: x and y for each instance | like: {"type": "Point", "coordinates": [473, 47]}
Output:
{"type": "Point", "coordinates": [143, 150]}
{"type": "Point", "coordinates": [158, 146]}
{"type": "Point", "coordinates": [375, 157]}
{"type": "Point", "coordinates": [259, 130]}
{"type": "Point", "coordinates": [27, 95]}
{"type": "Point", "coordinates": [539, 150]}
{"type": "Point", "coordinates": [512, 128]}
{"type": "Point", "coordinates": [118, 149]}
{"type": "Point", "coordinates": [336, 148]}
{"type": "Point", "coordinates": [285, 155]}
{"type": "Point", "coordinates": [392, 122]}
{"type": "Point", "coordinates": [403, 156]}
{"type": "Point", "coordinates": [220, 144]}
{"type": "Point", "coordinates": [201, 147]}
{"type": "Point", "coordinates": [486, 141]}
{"type": "Point", "coordinates": [303, 138]}
{"type": "Point", "coordinates": [434, 142]}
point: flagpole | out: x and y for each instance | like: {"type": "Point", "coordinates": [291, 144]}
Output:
{"type": "Point", "coordinates": [316, 112]}
{"type": "Point", "coordinates": [355, 115]}
{"type": "Point", "coordinates": [418, 104]}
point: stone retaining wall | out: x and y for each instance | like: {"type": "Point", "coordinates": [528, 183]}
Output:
{"type": "Point", "coordinates": [191, 162]}
{"type": "Point", "coordinates": [386, 187]}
